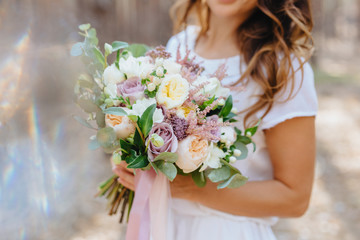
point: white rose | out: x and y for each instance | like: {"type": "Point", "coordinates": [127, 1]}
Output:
{"type": "Point", "coordinates": [141, 105]}
{"type": "Point", "coordinates": [112, 75]}
{"type": "Point", "coordinates": [228, 135]}
{"type": "Point", "coordinates": [212, 87]}
{"type": "Point", "coordinates": [111, 90]}
{"type": "Point", "coordinates": [213, 159]}
{"type": "Point", "coordinates": [173, 91]}
{"type": "Point", "coordinates": [122, 125]}
{"type": "Point", "coordinates": [171, 66]}
{"type": "Point", "coordinates": [136, 67]}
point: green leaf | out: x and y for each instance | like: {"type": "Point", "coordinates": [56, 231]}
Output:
{"type": "Point", "coordinates": [83, 122]}
{"type": "Point", "coordinates": [138, 141]}
{"type": "Point", "coordinates": [87, 105]}
{"type": "Point", "coordinates": [108, 49]}
{"type": "Point", "coordinates": [238, 131]}
{"type": "Point", "coordinates": [234, 181]}
{"type": "Point", "coordinates": [99, 56]}
{"type": "Point", "coordinates": [92, 33]}
{"type": "Point", "coordinates": [118, 111]}
{"type": "Point", "coordinates": [146, 120]}
{"type": "Point", "coordinates": [126, 146]}
{"type": "Point", "coordinates": [227, 107]}
{"type": "Point", "coordinates": [84, 27]}
{"type": "Point", "coordinates": [244, 150]}
{"type": "Point", "coordinates": [138, 50]}
{"type": "Point", "coordinates": [245, 140]}
{"type": "Point", "coordinates": [252, 130]}
{"type": "Point", "coordinates": [230, 116]}
{"type": "Point", "coordinates": [106, 137]}
{"type": "Point", "coordinates": [199, 178]}
{"type": "Point", "coordinates": [167, 157]}
{"type": "Point", "coordinates": [77, 49]}
{"type": "Point", "coordinates": [117, 45]}
{"type": "Point", "coordinates": [134, 118]}
{"type": "Point", "coordinates": [167, 168]}
{"type": "Point", "coordinates": [100, 119]}
{"type": "Point", "coordinates": [93, 144]}
{"type": "Point", "coordinates": [220, 174]}
{"type": "Point", "coordinates": [140, 161]}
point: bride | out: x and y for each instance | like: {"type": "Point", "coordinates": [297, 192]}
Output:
{"type": "Point", "coordinates": [265, 45]}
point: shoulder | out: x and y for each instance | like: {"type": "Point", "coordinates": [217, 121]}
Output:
{"type": "Point", "coordinates": [184, 39]}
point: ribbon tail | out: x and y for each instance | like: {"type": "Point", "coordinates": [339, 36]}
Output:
{"type": "Point", "coordinates": [159, 204]}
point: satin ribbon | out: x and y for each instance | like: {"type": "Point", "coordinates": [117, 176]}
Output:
{"type": "Point", "coordinates": [150, 210]}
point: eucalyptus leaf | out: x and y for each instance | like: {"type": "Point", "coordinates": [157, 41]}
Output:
{"type": "Point", "coordinates": [234, 181]}
{"type": "Point", "coordinates": [199, 178]}
{"type": "Point", "coordinates": [83, 122]}
{"type": "Point", "coordinates": [117, 45]}
{"type": "Point", "coordinates": [99, 56]}
{"type": "Point", "coordinates": [87, 105]}
{"type": "Point", "coordinates": [118, 111]}
{"type": "Point", "coordinates": [108, 49]}
{"type": "Point", "coordinates": [84, 27]}
{"type": "Point", "coordinates": [106, 137]}
{"type": "Point", "coordinates": [92, 33]}
{"type": "Point", "coordinates": [244, 150]}
{"type": "Point", "coordinates": [220, 174]}
{"type": "Point", "coordinates": [138, 50]}
{"type": "Point", "coordinates": [93, 144]}
{"type": "Point", "coordinates": [167, 168]}
{"type": "Point", "coordinates": [77, 49]}
{"type": "Point", "coordinates": [244, 139]}
{"type": "Point", "coordinates": [100, 119]}
{"type": "Point", "coordinates": [85, 84]}
{"type": "Point", "coordinates": [146, 120]}
{"type": "Point", "coordinates": [167, 157]}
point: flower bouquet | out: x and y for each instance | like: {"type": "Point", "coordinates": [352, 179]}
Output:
{"type": "Point", "coordinates": [158, 114]}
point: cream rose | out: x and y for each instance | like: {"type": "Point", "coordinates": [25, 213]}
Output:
{"type": "Point", "coordinates": [212, 87]}
{"type": "Point", "coordinates": [173, 91]}
{"type": "Point", "coordinates": [192, 152]}
{"type": "Point", "coordinates": [122, 125]}
{"type": "Point", "coordinates": [112, 75]}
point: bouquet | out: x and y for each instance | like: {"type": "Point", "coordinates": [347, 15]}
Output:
{"type": "Point", "coordinates": [158, 114]}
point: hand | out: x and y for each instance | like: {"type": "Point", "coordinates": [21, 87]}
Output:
{"type": "Point", "coordinates": [126, 175]}
{"type": "Point", "coordinates": [184, 187]}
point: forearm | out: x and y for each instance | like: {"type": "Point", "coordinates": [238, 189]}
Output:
{"type": "Point", "coordinates": [254, 199]}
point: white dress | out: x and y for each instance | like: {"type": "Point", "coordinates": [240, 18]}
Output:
{"type": "Point", "coordinates": [192, 221]}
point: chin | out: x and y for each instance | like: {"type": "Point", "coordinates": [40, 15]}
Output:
{"type": "Point", "coordinates": [230, 8]}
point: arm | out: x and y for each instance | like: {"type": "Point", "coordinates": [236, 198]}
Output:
{"type": "Point", "coordinates": [291, 146]}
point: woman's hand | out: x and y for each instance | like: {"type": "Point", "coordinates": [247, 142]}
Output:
{"type": "Point", "coordinates": [126, 175]}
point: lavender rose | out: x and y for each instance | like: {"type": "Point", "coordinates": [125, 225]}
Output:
{"type": "Point", "coordinates": [165, 131]}
{"type": "Point", "coordinates": [131, 88]}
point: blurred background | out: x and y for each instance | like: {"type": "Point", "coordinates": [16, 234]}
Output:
{"type": "Point", "coordinates": [48, 175]}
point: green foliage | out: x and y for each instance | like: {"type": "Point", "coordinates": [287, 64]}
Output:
{"type": "Point", "coordinates": [84, 27]}
{"type": "Point", "coordinates": [167, 157]}
{"type": "Point", "coordinates": [226, 109]}
{"type": "Point", "coordinates": [167, 168]}
{"type": "Point", "coordinates": [234, 181]}
{"type": "Point", "coordinates": [77, 49]}
{"type": "Point", "coordinates": [83, 122]}
{"type": "Point", "coordinates": [138, 50]}
{"type": "Point", "coordinates": [117, 45]}
{"type": "Point", "coordinates": [220, 174]}
{"type": "Point", "coordinates": [106, 137]}
{"type": "Point", "coordinates": [87, 105]}
{"type": "Point", "coordinates": [146, 121]}
{"type": "Point", "coordinates": [199, 178]}
{"type": "Point", "coordinates": [93, 144]}
{"type": "Point", "coordinates": [151, 94]}
{"type": "Point", "coordinates": [242, 147]}
{"type": "Point", "coordinates": [118, 111]}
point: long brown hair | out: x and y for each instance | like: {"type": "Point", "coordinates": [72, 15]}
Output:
{"type": "Point", "coordinates": [276, 32]}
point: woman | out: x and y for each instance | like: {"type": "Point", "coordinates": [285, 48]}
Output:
{"type": "Point", "coordinates": [266, 45]}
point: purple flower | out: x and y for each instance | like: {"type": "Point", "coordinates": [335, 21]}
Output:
{"type": "Point", "coordinates": [131, 88]}
{"type": "Point", "coordinates": [165, 131]}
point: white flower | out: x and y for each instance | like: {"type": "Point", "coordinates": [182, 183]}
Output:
{"type": "Point", "coordinates": [139, 67]}
{"type": "Point", "coordinates": [112, 75]}
{"type": "Point", "coordinates": [159, 62]}
{"type": "Point", "coordinates": [213, 159]}
{"type": "Point", "coordinates": [212, 87]}
{"type": "Point", "coordinates": [111, 90]}
{"type": "Point", "coordinates": [156, 81]}
{"type": "Point", "coordinates": [221, 102]}
{"type": "Point", "coordinates": [232, 159]}
{"type": "Point", "coordinates": [234, 110]}
{"type": "Point", "coordinates": [160, 71]}
{"type": "Point", "coordinates": [228, 135]}
{"type": "Point", "coordinates": [171, 67]}
{"type": "Point", "coordinates": [140, 106]}
{"type": "Point", "coordinates": [237, 153]}
{"type": "Point", "coordinates": [151, 87]}
{"type": "Point", "coordinates": [173, 91]}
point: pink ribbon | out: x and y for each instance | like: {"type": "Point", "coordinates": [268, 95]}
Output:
{"type": "Point", "coordinates": [150, 208]}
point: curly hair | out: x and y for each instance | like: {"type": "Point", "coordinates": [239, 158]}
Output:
{"type": "Point", "coordinates": [276, 33]}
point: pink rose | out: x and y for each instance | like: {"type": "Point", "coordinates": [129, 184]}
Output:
{"type": "Point", "coordinates": [131, 88]}
{"type": "Point", "coordinates": [165, 131]}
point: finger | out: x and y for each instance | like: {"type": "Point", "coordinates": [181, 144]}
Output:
{"type": "Point", "coordinates": [124, 165]}
{"type": "Point", "coordinates": [127, 184]}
